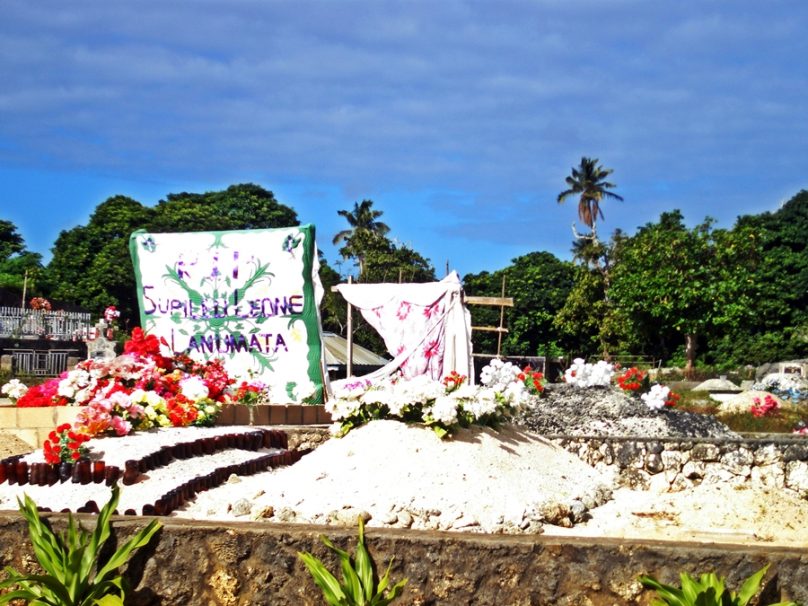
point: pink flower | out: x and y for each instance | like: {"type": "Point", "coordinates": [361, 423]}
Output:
{"type": "Point", "coordinates": [121, 426]}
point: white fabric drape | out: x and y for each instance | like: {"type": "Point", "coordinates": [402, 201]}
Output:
{"type": "Point", "coordinates": [426, 327]}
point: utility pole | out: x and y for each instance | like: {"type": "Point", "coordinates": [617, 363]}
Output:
{"type": "Point", "coordinates": [24, 289]}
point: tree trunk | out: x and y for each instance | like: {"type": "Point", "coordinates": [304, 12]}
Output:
{"type": "Point", "coordinates": [690, 354]}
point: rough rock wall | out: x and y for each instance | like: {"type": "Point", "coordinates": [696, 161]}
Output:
{"type": "Point", "coordinates": [679, 464]}
{"type": "Point", "coordinates": [250, 564]}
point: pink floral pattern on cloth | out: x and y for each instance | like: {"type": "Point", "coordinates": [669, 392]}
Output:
{"type": "Point", "coordinates": [410, 318]}
{"type": "Point", "coordinates": [399, 322]}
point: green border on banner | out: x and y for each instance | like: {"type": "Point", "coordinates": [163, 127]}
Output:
{"type": "Point", "coordinates": [310, 314]}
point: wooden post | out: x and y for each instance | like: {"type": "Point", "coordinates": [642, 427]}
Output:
{"type": "Point", "coordinates": [501, 320]}
{"type": "Point", "coordinates": [349, 322]}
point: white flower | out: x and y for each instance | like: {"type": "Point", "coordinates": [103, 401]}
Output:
{"type": "Point", "coordinates": [194, 388]}
{"type": "Point", "coordinates": [655, 399]}
{"type": "Point", "coordinates": [484, 403]}
{"type": "Point", "coordinates": [341, 409]}
{"type": "Point", "coordinates": [581, 374]}
{"type": "Point", "coordinates": [498, 374]}
{"type": "Point", "coordinates": [14, 389]}
{"type": "Point", "coordinates": [443, 410]}
{"type": "Point", "coordinates": [73, 383]}
{"type": "Point", "coordinates": [304, 390]}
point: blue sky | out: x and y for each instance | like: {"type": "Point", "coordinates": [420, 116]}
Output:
{"type": "Point", "coordinates": [460, 120]}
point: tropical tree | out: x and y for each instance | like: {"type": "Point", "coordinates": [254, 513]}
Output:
{"type": "Point", "coordinates": [364, 228]}
{"type": "Point", "coordinates": [776, 272]}
{"type": "Point", "coordinates": [240, 206]}
{"type": "Point", "coordinates": [91, 265]}
{"type": "Point", "coordinates": [385, 261]}
{"type": "Point", "coordinates": [11, 242]}
{"type": "Point", "coordinates": [588, 183]}
{"type": "Point", "coordinates": [16, 262]}
{"type": "Point", "coordinates": [692, 282]}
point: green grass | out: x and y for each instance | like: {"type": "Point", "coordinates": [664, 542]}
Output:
{"type": "Point", "coordinates": [782, 421]}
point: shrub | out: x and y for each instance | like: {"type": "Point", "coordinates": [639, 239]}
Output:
{"type": "Point", "coordinates": [74, 574]}
{"type": "Point", "coordinates": [707, 590]}
{"type": "Point", "coordinates": [359, 586]}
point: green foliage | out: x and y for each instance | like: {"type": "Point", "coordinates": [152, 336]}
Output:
{"type": "Point", "coordinates": [539, 284]}
{"type": "Point", "coordinates": [74, 573]}
{"type": "Point", "coordinates": [707, 590]}
{"type": "Point", "coordinates": [671, 280]}
{"type": "Point", "coordinates": [359, 586]}
{"type": "Point", "coordinates": [242, 206]}
{"type": "Point", "coordinates": [778, 326]}
{"type": "Point", "coordinates": [333, 310]}
{"type": "Point", "coordinates": [91, 265]}
{"type": "Point", "coordinates": [364, 230]}
{"type": "Point", "coordinates": [15, 261]}
{"type": "Point", "coordinates": [11, 242]}
{"type": "Point", "coordinates": [384, 261]}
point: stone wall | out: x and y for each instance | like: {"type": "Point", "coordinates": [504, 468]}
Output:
{"type": "Point", "coordinates": [32, 425]}
{"type": "Point", "coordinates": [681, 463]}
{"type": "Point", "coordinates": [196, 563]}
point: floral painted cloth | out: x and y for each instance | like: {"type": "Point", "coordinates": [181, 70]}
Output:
{"type": "Point", "coordinates": [425, 327]}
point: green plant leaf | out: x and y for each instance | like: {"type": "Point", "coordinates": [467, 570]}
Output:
{"type": "Point", "coordinates": [109, 600]}
{"type": "Point", "coordinates": [364, 565]}
{"type": "Point", "coordinates": [669, 595]}
{"type": "Point", "coordinates": [358, 587]}
{"type": "Point", "coordinates": [120, 557]}
{"type": "Point", "coordinates": [70, 558]}
{"type": "Point", "coordinates": [750, 586]}
{"type": "Point", "coordinates": [328, 584]}
{"type": "Point", "coordinates": [54, 591]}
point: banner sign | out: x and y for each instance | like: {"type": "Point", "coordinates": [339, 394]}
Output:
{"type": "Point", "coordinates": [248, 297]}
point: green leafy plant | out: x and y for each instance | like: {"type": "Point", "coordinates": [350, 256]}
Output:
{"type": "Point", "coordinates": [359, 586]}
{"type": "Point", "coordinates": [707, 590]}
{"type": "Point", "coordinates": [74, 574]}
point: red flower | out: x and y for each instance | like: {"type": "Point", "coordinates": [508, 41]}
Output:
{"type": "Point", "coordinates": [42, 395]}
{"type": "Point", "coordinates": [673, 399]}
{"type": "Point", "coordinates": [533, 380]}
{"type": "Point", "coordinates": [146, 346]}
{"type": "Point", "coordinates": [64, 444]}
{"type": "Point", "coordinates": [631, 380]}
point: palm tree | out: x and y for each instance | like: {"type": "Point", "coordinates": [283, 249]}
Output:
{"type": "Point", "coordinates": [364, 224]}
{"type": "Point", "coordinates": [587, 181]}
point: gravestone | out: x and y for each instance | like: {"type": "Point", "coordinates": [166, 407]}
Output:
{"type": "Point", "coordinates": [100, 347]}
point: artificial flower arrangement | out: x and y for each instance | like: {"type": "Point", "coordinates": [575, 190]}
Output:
{"type": "Point", "coordinates": [769, 406]}
{"type": "Point", "coordinates": [633, 381]}
{"type": "Point", "coordinates": [64, 445]}
{"type": "Point", "coordinates": [533, 380]}
{"type": "Point", "coordinates": [14, 390]}
{"type": "Point", "coordinates": [581, 374]}
{"type": "Point", "coordinates": [660, 396]}
{"type": "Point", "coordinates": [40, 304]}
{"type": "Point", "coordinates": [111, 314]}
{"type": "Point", "coordinates": [143, 388]}
{"type": "Point", "coordinates": [443, 405]}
